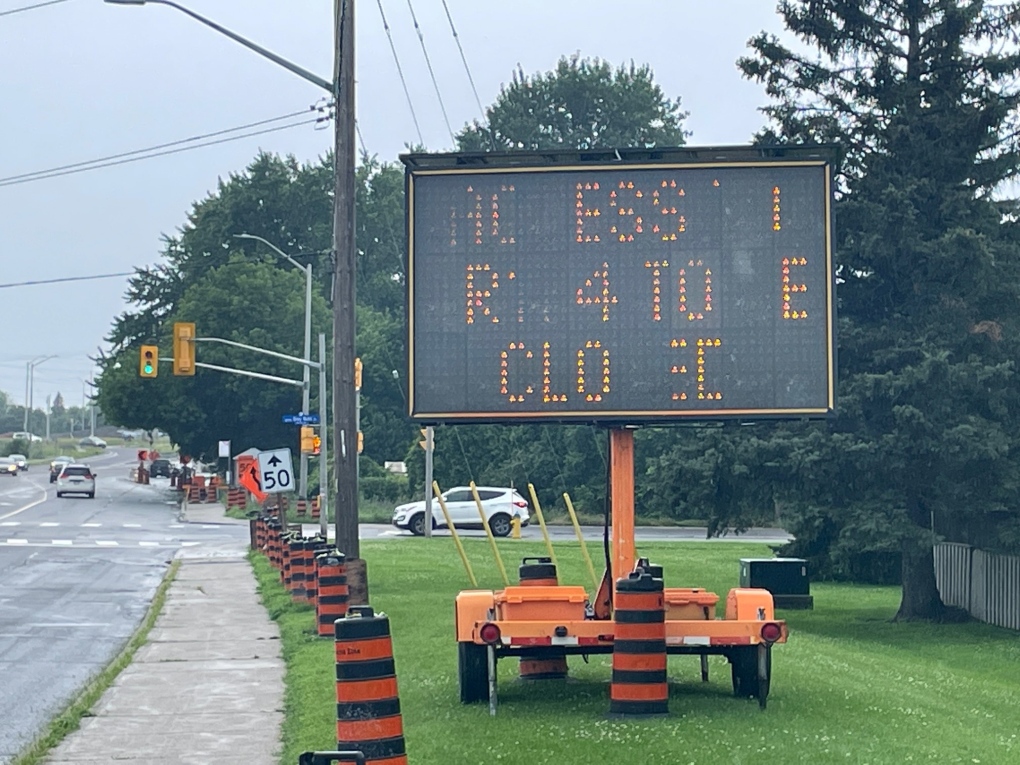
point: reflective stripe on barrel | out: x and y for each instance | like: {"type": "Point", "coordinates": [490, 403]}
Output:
{"type": "Point", "coordinates": [368, 707]}
{"type": "Point", "coordinates": [639, 685]}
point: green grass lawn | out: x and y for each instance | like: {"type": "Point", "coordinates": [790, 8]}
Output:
{"type": "Point", "coordinates": [848, 687]}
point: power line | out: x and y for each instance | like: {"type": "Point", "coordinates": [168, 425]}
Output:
{"type": "Point", "coordinates": [432, 74]}
{"type": "Point", "coordinates": [400, 71]}
{"type": "Point", "coordinates": [66, 279]}
{"type": "Point", "coordinates": [30, 7]}
{"type": "Point", "coordinates": [110, 157]}
{"type": "Point", "coordinates": [44, 175]}
{"type": "Point", "coordinates": [464, 59]}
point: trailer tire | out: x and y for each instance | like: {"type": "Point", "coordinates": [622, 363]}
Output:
{"type": "Point", "coordinates": [472, 672]}
{"type": "Point", "coordinates": [744, 672]}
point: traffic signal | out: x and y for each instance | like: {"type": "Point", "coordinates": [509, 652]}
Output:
{"type": "Point", "coordinates": [426, 442]}
{"type": "Point", "coordinates": [316, 445]}
{"type": "Point", "coordinates": [148, 361]}
{"type": "Point", "coordinates": [184, 348]}
{"type": "Point", "coordinates": [358, 366]}
{"type": "Point", "coordinates": [307, 437]}
{"type": "Point", "coordinates": [361, 442]}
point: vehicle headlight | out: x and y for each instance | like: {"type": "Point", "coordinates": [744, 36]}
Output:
{"type": "Point", "coordinates": [399, 515]}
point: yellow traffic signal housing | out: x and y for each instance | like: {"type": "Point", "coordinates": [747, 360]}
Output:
{"type": "Point", "coordinates": [426, 442]}
{"type": "Point", "coordinates": [361, 442]}
{"type": "Point", "coordinates": [358, 366]}
{"type": "Point", "coordinates": [316, 445]}
{"type": "Point", "coordinates": [307, 438]}
{"type": "Point", "coordinates": [148, 361]}
{"type": "Point", "coordinates": [184, 348]}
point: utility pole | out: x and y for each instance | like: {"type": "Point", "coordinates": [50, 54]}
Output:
{"type": "Point", "coordinates": [345, 442]}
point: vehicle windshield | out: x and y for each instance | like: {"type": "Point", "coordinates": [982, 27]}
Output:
{"type": "Point", "coordinates": [78, 470]}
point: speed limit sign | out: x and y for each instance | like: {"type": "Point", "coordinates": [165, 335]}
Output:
{"type": "Point", "coordinates": [277, 471]}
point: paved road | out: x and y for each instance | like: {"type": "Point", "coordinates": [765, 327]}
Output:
{"type": "Point", "coordinates": [591, 533]}
{"type": "Point", "coordinates": [76, 577]}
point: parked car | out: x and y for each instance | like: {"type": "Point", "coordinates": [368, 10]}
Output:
{"type": "Point", "coordinates": [26, 436]}
{"type": "Point", "coordinates": [159, 467]}
{"type": "Point", "coordinates": [76, 478]}
{"type": "Point", "coordinates": [499, 504]}
{"type": "Point", "coordinates": [56, 465]}
{"type": "Point", "coordinates": [93, 441]}
{"type": "Point", "coordinates": [20, 460]}
{"type": "Point", "coordinates": [8, 466]}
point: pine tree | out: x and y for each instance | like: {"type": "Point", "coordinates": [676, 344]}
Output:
{"type": "Point", "coordinates": [921, 96]}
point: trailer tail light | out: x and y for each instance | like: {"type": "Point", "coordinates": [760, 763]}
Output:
{"type": "Point", "coordinates": [489, 633]}
{"type": "Point", "coordinates": [771, 632]}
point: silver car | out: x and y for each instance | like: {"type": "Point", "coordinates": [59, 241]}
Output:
{"type": "Point", "coordinates": [76, 478]}
{"type": "Point", "coordinates": [20, 460]}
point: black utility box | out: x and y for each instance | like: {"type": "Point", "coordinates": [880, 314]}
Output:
{"type": "Point", "coordinates": [786, 578]}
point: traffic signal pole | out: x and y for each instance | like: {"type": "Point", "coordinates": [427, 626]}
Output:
{"type": "Point", "coordinates": [429, 445]}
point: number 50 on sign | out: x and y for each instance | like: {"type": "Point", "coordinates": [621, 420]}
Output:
{"type": "Point", "coordinates": [277, 471]}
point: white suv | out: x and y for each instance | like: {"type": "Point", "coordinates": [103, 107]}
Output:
{"type": "Point", "coordinates": [500, 505]}
{"type": "Point", "coordinates": [76, 478]}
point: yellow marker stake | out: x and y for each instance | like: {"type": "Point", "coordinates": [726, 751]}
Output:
{"type": "Point", "coordinates": [488, 533]}
{"type": "Point", "coordinates": [580, 538]}
{"type": "Point", "coordinates": [454, 534]}
{"type": "Point", "coordinates": [541, 522]}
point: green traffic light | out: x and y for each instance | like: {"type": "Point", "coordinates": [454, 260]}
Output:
{"type": "Point", "coordinates": [148, 368]}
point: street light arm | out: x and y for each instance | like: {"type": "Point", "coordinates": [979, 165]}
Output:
{"type": "Point", "coordinates": [274, 248]}
{"type": "Point", "coordinates": [289, 66]}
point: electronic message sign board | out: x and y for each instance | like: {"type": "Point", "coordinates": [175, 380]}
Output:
{"type": "Point", "coordinates": [632, 291]}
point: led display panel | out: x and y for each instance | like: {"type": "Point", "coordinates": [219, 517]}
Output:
{"type": "Point", "coordinates": [641, 292]}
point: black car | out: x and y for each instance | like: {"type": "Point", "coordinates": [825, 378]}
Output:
{"type": "Point", "coordinates": [57, 465]}
{"type": "Point", "coordinates": [159, 468]}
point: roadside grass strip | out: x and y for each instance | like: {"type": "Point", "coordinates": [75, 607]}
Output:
{"type": "Point", "coordinates": [850, 686]}
{"type": "Point", "coordinates": [69, 719]}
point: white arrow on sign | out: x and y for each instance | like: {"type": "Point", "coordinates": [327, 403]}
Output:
{"type": "Point", "coordinates": [277, 471]}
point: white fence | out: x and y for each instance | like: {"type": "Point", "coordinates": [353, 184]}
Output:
{"type": "Point", "coordinates": [986, 584]}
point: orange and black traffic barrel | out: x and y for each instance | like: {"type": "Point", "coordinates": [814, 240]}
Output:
{"type": "Point", "coordinates": [552, 664]}
{"type": "Point", "coordinates": [332, 594]}
{"type": "Point", "coordinates": [368, 715]}
{"type": "Point", "coordinates": [639, 684]}
{"type": "Point", "coordinates": [286, 566]}
{"type": "Point", "coordinates": [273, 528]}
{"type": "Point", "coordinates": [300, 554]}
{"type": "Point", "coordinates": [313, 546]}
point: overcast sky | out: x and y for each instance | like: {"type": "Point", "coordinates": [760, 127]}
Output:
{"type": "Point", "coordinates": [82, 79]}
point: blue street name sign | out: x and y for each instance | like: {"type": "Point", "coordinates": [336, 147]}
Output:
{"type": "Point", "coordinates": [301, 419]}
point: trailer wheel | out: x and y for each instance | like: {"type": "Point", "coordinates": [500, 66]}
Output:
{"type": "Point", "coordinates": [744, 672]}
{"type": "Point", "coordinates": [473, 672]}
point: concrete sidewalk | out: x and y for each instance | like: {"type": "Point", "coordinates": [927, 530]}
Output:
{"type": "Point", "coordinates": [207, 687]}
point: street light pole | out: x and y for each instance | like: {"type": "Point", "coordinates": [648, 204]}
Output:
{"type": "Point", "coordinates": [29, 404]}
{"type": "Point", "coordinates": [305, 378]}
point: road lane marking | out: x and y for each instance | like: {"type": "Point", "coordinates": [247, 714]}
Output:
{"type": "Point", "coordinates": [11, 523]}
{"type": "Point", "coordinates": [63, 541]}
{"type": "Point", "coordinates": [49, 523]}
{"type": "Point", "coordinates": [28, 506]}
{"type": "Point", "coordinates": [132, 525]}
{"type": "Point", "coordinates": [17, 541]}
{"type": "Point", "coordinates": [107, 543]}
{"type": "Point", "coordinates": [148, 544]}
{"type": "Point", "coordinates": [91, 525]}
